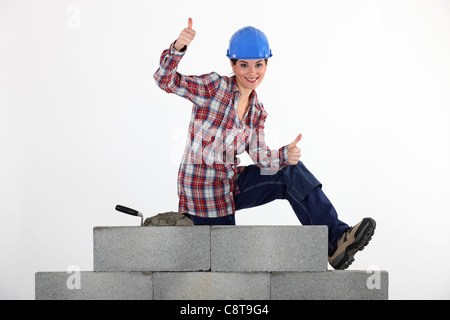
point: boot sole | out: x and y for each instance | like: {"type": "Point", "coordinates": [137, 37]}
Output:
{"type": "Point", "coordinates": [362, 239]}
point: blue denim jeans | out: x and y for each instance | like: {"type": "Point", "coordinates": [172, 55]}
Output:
{"type": "Point", "coordinates": [293, 183]}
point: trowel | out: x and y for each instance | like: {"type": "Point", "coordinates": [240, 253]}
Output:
{"type": "Point", "coordinates": [131, 212]}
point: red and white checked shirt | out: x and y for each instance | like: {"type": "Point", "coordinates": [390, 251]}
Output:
{"type": "Point", "coordinates": [209, 168]}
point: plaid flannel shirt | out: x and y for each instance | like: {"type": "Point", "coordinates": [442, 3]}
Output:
{"type": "Point", "coordinates": [209, 169]}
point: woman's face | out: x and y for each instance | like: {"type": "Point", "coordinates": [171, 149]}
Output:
{"type": "Point", "coordinates": [249, 73]}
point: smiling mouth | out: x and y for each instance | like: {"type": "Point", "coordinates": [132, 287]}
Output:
{"type": "Point", "coordinates": [252, 80]}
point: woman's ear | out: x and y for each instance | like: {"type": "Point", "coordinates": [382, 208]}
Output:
{"type": "Point", "coordinates": [233, 66]}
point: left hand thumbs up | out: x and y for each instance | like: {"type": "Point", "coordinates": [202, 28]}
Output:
{"type": "Point", "coordinates": [294, 152]}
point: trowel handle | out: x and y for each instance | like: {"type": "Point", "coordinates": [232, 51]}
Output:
{"type": "Point", "coordinates": [128, 211]}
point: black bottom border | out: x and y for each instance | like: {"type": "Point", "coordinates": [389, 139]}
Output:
{"type": "Point", "coordinates": [223, 309]}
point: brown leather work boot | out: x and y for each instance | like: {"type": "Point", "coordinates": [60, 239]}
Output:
{"type": "Point", "coordinates": [352, 240]}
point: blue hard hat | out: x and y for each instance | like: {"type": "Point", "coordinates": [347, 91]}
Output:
{"type": "Point", "coordinates": [249, 43]}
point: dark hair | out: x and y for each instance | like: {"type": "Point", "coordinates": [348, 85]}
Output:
{"type": "Point", "coordinates": [234, 61]}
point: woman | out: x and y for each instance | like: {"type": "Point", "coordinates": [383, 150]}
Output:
{"type": "Point", "coordinates": [227, 120]}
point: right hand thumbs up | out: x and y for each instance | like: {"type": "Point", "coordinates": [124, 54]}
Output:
{"type": "Point", "coordinates": [186, 37]}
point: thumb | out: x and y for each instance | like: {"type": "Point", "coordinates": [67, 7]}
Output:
{"type": "Point", "coordinates": [190, 23]}
{"type": "Point", "coordinates": [297, 140]}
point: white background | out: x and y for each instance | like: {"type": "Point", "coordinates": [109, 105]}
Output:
{"type": "Point", "coordinates": [83, 126]}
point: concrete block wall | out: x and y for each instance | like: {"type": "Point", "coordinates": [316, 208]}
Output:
{"type": "Point", "coordinates": [251, 248]}
{"type": "Point", "coordinates": [217, 248]}
{"type": "Point", "coordinates": [211, 263]}
{"type": "Point", "coordinates": [152, 248]}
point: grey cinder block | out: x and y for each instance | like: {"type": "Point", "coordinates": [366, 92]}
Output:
{"type": "Point", "coordinates": [152, 248]}
{"type": "Point", "coordinates": [211, 262]}
{"type": "Point", "coordinates": [211, 286]}
{"type": "Point", "coordinates": [94, 286]}
{"type": "Point", "coordinates": [269, 248]}
{"type": "Point", "coordinates": [331, 285]}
